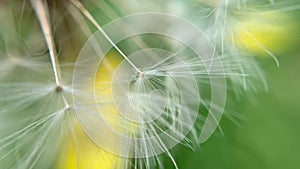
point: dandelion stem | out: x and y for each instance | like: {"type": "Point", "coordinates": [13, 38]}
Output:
{"type": "Point", "coordinates": [42, 13]}
{"type": "Point", "coordinates": [92, 19]}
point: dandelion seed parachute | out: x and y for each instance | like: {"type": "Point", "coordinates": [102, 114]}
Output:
{"type": "Point", "coordinates": [147, 112]}
{"type": "Point", "coordinates": [156, 107]}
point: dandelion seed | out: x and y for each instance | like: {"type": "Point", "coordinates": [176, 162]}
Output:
{"type": "Point", "coordinates": [141, 84]}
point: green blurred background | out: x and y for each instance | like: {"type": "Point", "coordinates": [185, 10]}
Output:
{"type": "Point", "coordinates": [267, 135]}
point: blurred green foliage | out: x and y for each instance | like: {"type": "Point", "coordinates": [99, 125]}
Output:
{"type": "Point", "coordinates": [268, 137]}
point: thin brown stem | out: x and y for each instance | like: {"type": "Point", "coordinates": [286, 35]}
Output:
{"type": "Point", "coordinates": [41, 10]}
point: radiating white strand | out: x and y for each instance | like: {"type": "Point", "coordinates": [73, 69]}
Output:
{"type": "Point", "coordinates": [91, 18]}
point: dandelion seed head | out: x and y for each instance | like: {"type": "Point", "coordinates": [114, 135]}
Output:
{"type": "Point", "coordinates": [147, 112]}
{"type": "Point", "coordinates": [142, 84]}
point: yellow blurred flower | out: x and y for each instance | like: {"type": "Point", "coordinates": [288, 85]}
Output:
{"type": "Point", "coordinates": [264, 32]}
{"type": "Point", "coordinates": [80, 151]}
